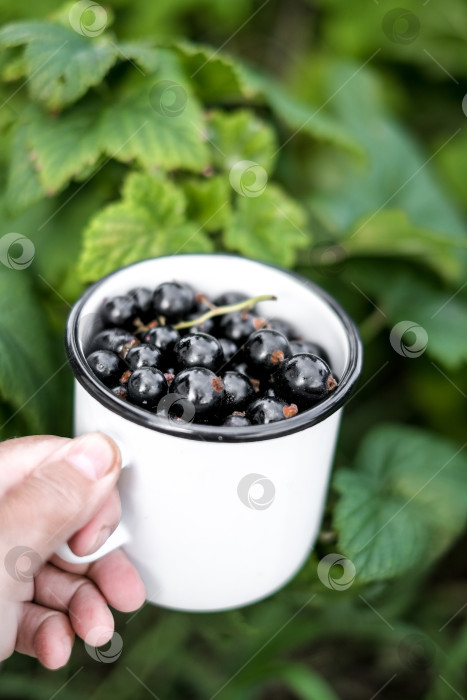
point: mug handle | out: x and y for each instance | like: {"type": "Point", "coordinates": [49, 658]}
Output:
{"type": "Point", "coordinates": [119, 536]}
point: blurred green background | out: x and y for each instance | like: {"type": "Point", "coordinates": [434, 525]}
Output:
{"type": "Point", "coordinates": [357, 113]}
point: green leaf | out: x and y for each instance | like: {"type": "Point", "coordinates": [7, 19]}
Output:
{"type": "Point", "coordinates": [217, 76]}
{"type": "Point", "coordinates": [269, 227]}
{"type": "Point", "coordinates": [397, 172]}
{"type": "Point", "coordinates": [442, 313]}
{"type": "Point", "coordinates": [15, 69]}
{"type": "Point", "coordinates": [304, 682]}
{"type": "Point", "coordinates": [301, 116]}
{"type": "Point", "coordinates": [238, 136]}
{"type": "Point", "coordinates": [27, 362]}
{"type": "Point", "coordinates": [390, 233]}
{"type": "Point", "coordinates": [144, 55]}
{"type": "Point", "coordinates": [134, 130]}
{"type": "Point", "coordinates": [61, 64]}
{"type": "Point", "coordinates": [148, 222]}
{"type": "Point", "coordinates": [440, 310]}
{"type": "Point", "coordinates": [208, 201]}
{"type": "Point", "coordinates": [403, 504]}
{"type": "Point", "coordinates": [451, 164]}
{"type": "Point", "coordinates": [23, 184]}
{"type": "Point", "coordinates": [70, 145]}
{"type": "Point", "coordinates": [62, 147]}
{"type": "Point", "coordinates": [356, 30]}
{"type": "Point", "coordinates": [18, 33]}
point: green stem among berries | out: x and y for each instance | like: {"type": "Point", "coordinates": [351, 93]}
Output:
{"type": "Point", "coordinates": [220, 310]}
{"type": "Point", "coordinates": [245, 305]}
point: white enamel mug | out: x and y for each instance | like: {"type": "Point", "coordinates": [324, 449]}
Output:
{"type": "Point", "coordinates": [214, 517]}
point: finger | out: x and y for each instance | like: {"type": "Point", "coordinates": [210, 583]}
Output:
{"type": "Point", "coordinates": [59, 496]}
{"type": "Point", "coordinates": [45, 634]}
{"type": "Point", "coordinates": [63, 565]}
{"type": "Point", "coordinates": [25, 453]}
{"type": "Point", "coordinates": [119, 581]}
{"type": "Point", "coordinates": [79, 598]}
{"type": "Point", "coordinates": [99, 528]}
{"type": "Point", "coordinates": [9, 617]}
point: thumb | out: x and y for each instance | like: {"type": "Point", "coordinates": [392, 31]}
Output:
{"type": "Point", "coordinates": [58, 498]}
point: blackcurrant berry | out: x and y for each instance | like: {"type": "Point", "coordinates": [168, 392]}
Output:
{"type": "Point", "coordinates": [265, 350]}
{"type": "Point", "coordinates": [173, 300]}
{"type": "Point", "coordinates": [163, 338]}
{"type": "Point", "coordinates": [112, 339]}
{"type": "Point", "coordinates": [106, 365]}
{"type": "Point", "coordinates": [238, 326]}
{"type": "Point", "coordinates": [143, 356]}
{"type": "Point", "coordinates": [203, 389]}
{"type": "Point", "coordinates": [284, 327]}
{"type": "Point", "coordinates": [143, 301]}
{"type": "Point", "coordinates": [199, 350]}
{"type": "Point", "coordinates": [268, 410]}
{"type": "Point", "coordinates": [239, 391]}
{"type": "Point", "coordinates": [119, 311]}
{"type": "Point", "coordinates": [147, 386]}
{"type": "Point", "coordinates": [229, 348]}
{"type": "Point", "coordinates": [236, 420]}
{"type": "Point", "coordinates": [301, 346]}
{"type": "Point", "coordinates": [303, 379]}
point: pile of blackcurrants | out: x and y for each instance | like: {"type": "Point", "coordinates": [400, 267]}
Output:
{"type": "Point", "coordinates": [233, 367]}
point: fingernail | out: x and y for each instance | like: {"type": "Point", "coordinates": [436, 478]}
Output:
{"type": "Point", "coordinates": [102, 536]}
{"type": "Point", "coordinates": [92, 454]}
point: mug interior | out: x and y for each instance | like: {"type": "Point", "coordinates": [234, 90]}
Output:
{"type": "Point", "coordinates": [315, 315]}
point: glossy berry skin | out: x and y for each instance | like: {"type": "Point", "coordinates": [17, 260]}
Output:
{"type": "Point", "coordinates": [106, 365]}
{"type": "Point", "coordinates": [143, 302]}
{"type": "Point", "coordinates": [173, 300]}
{"type": "Point", "coordinates": [112, 339]}
{"type": "Point", "coordinates": [303, 379]}
{"type": "Point", "coordinates": [203, 389]}
{"type": "Point", "coordinates": [143, 356]}
{"type": "Point", "coordinates": [265, 350]}
{"type": "Point", "coordinates": [266, 410]}
{"type": "Point", "coordinates": [229, 348]}
{"type": "Point", "coordinates": [300, 346]}
{"type": "Point", "coordinates": [229, 298]}
{"type": "Point", "coordinates": [199, 350]}
{"type": "Point", "coordinates": [147, 386]}
{"type": "Point", "coordinates": [163, 338]}
{"type": "Point", "coordinates": [283, 326]}
{"type": "Point", "coordinates": [238, 326]}
{"type": "Point", "coordinates": [119, 311]}
{"type": "Point", "coordinates": [239, 391]}
{"type": "Point", "coordinates": [236, 421]}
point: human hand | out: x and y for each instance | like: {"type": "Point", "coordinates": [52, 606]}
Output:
{"type": "Point", "coordinates": [54, 490]}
